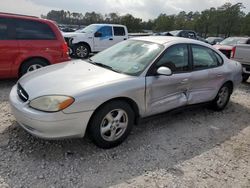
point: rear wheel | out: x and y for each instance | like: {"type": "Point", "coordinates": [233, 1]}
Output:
{"type": "Point", "coordinates": [111, 124]}
{"type": "Point", "coordinates": [81, 51]}
{"type": "Point", "coordinates": [222, 98]}
{"type": "Point", "coordinates": [245, 77]}
{"type": "Point", "coordinates": [31, 65]}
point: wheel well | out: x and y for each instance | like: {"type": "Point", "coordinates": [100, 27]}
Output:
{"type": "Point", "coordinates": [85, 43]}
{"type": "Point", "coordinates": [131, 102]}
{"type": "Point", "coordinates": [26, 60]}
{"type": "Point", "coordinates": [231, 85]}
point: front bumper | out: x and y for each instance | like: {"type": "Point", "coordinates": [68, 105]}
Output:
{"type": "Point", "coordinates": [48, 125]}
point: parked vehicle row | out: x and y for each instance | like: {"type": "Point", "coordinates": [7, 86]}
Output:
{"type": "Point", "coordinates": [137, 78]}
{"type": "Point", "coordinates": [28, 43]}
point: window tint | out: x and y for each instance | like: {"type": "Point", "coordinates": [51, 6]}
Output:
{"type": "Point", "coordinates": [119, 31]}
{"type": "Point", "coordinates": [32, 30]}
{"type": "Point", "coordinates": [175, 58]}
{"type": "Point", "coordinates": [204, 58]}
{"type": "Point", "coordinates": [6, 29]}
{"type": "Point", "coordinates": [106, 31]}
{"type": "Point", "coordinates": [3, 29]}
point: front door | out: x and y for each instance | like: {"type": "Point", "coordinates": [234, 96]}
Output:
{"type": "Point", "coordinates": [164, 93]}
{"type": "Point", "coordinates": [103, 38]}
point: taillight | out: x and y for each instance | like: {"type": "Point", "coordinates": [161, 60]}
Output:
{"type": "Point", "coordinates": [233, 52]}
{"type": "Point", "coordinates": [65, 48]}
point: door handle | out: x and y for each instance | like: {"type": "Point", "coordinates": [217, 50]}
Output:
{"type": "Point", "coordinates": [219, 75]}
{"type": "Point", "coordinates": [124, 39]}
{"type": "Point", "coordinates": [111, 39]}
{"type": "Point", "coordinates": [184, 81]}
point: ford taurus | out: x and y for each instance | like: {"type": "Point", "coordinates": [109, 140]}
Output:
{"type": "Point", "coordinates": [104, 95]}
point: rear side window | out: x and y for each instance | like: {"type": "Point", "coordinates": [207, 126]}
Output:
{"type": "Point", "coordinates": [33, 30]}
{"type": "Point", "coordinates": [6, 29]}
{"type": "Point", "coordinates": [3, 29]}
{"type": "Point", "coordinates": [119, 31]}
{"type": "Point", "coordinates": [204, 58]}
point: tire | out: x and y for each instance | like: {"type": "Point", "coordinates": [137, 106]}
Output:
{"type": "Point", "coordinates": [222, 98]}
{"type": "Point", "coordinates": [245, 77]}
{"type": "Point", "coordinates": [81, 51]}
{"type": "Point", "coordinates": [31, 65]}
{"type": "Point", "coordinates": [111, 124]}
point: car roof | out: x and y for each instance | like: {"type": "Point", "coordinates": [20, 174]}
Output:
{"type": "Point", "coordinates": [104, 24]}
{"type": "Point", "coordinates": [164, 40]}
{"type": "Point", "coordinates": [26, 17]}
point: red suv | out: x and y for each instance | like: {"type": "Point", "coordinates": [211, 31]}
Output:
{"type": "Point", "coordinates": [28, 43]}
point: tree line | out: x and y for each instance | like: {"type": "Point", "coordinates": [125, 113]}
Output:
{"type": "Point", "coordinates": [226, 20]}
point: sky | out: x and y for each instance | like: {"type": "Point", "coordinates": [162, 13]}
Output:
{"type": "Point", "coordinates": [145, 9]}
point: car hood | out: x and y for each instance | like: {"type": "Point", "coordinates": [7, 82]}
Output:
{"type": "Point", "coordinates": [223, 47]}
{"type": "Point", "coordinates": [68, 78]}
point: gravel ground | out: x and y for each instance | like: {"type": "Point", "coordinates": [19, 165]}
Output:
{"type": "Point", "coordinates": [192, 148]}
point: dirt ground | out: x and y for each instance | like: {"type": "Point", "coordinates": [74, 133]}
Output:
{"type": "Point", "coordinates": [193, 148]}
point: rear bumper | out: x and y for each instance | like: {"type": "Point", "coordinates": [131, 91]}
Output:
{"type": "Point", "coordinates": [48, 125]}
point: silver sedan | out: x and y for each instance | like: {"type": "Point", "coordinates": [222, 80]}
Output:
{"type": "Point", "coordinates": [105, 95]}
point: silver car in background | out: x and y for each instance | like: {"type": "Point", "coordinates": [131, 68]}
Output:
{"type": "Point", "coordinates": [104, 95]}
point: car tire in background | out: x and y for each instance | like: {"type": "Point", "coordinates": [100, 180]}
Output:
{"type": "Point", "coordinates": [31, 65]}
{"type": "Point", "coordinates": [81, 51]}
{"type": "Point", "coordinates": [222, 98]}
{"type": "Point", "coordinates": [245, 77]}
{"type": "Point", "coordinates": [111, 124]}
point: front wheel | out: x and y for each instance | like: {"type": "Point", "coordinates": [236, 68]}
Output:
{"type": "Point", "coordinates": [81, 51]}
{"type": "Point", "coordinates": [222, 98]}
{"type": "Point", "coordinates": [111, 124]}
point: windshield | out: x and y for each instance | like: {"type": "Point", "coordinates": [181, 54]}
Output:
{"type": "Point", "coordinates": [88, 29]}
{"type": "Point", "coordinates": [233, 41]}
{"type": "Point", "coordinates": [130, 57]}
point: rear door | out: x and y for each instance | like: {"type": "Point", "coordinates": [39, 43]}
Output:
{"type": "Point", "coordinates": [119, 34]}
{"type": "Point", "coordinates": [207, 75]}
{"type": "Point", "coordinates": [8, 47]}
{"type": "Point", "coordinates": [169, 92]}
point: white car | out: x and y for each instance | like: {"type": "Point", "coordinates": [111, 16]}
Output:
{"type": "Point", "coordinates": [134, 79]}
{"type": "Point", "coordinates": [95, 38]}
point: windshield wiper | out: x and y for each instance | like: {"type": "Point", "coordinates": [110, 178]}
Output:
{"type": "Point", "coordinates": [103, 65]}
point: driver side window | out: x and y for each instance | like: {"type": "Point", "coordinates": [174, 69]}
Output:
{"type": "Point", "coordinates": [175, 58]}
{"type": "Point", "coordinates": [106, 31]}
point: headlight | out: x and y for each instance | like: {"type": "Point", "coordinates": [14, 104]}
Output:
{"type": "Point", "coordinates": [51, 103]}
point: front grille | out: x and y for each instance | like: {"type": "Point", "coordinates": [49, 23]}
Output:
{"type": "Point", "coordinates": [226, 53]}
{"type": "Point", "coordinates": [23, 95]}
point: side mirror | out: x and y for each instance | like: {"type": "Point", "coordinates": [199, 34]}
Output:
{"type": "Point", "coordinates": [164, 71]}
{"type": "Point", "coordinates": [98, 34]}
